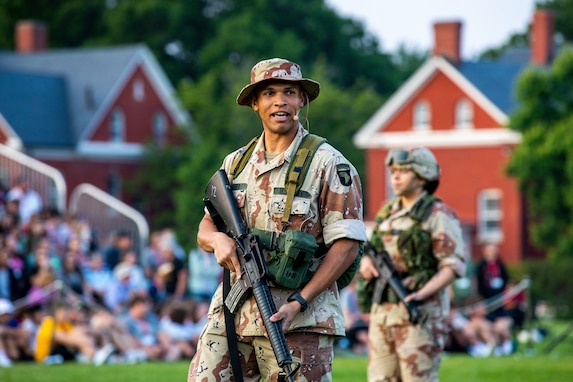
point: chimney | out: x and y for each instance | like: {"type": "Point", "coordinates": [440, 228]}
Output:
{"type": "Point", "coordinates": [31, 36]}
{"type": "Point", "coordinates": [447, 40]}
{"type": "Point", "coordinates": [542, 37]}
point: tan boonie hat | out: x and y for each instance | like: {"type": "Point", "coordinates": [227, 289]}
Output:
{"type": "Point", "coordinates": [277, 69]}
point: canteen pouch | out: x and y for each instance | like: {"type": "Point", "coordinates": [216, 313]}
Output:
{"type": "Point", "coordinates": [289, 264]}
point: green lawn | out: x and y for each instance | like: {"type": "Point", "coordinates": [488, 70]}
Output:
{"type": "Point", "coordinates": [522, 366]}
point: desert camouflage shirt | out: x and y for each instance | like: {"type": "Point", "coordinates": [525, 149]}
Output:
{"type": "Point", "coordinates": [329, 207]}
{"type": "Point", "coordinates": [447, 247]}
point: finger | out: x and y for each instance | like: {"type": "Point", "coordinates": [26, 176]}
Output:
{"type": "Point", "coordinates": [276, 317]}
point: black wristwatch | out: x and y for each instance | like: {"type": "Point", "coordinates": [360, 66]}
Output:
{"type": "Point", "coordinates": [295, 296]}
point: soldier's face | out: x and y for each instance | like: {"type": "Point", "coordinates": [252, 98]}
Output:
{"type": "Point", "coordinates": [277, 104]}
{"type": "Point", "coordinates": [405, 182]}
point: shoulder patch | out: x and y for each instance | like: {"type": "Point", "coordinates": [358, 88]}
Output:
{"type": "Point", "coordinates": [343, 171]}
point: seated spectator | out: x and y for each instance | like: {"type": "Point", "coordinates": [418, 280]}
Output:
{"type": "Point", "coordinates": [492, 278]}
{"type": "Point", "coordinates": [143, 324]}
{"type": "Point", "coordinates": [8, 279]}
{"type": "Point", "coordinates": [204, 274]}
{"type": "Point", "coordinates": [119, 291]}
{"type": "Point", "coordinates": [472, 334]}
{"type": "Point", "coordinates": [8, 348]}
{"type": "Point", "coordinates": [478, 334]}
{"type": "Point", "coordinates": [516, 307]}
{"type": "Point", "coordinates": [42, 276]}
{"type": "Point", "coordinates": [171, 277]}
{"type": "Point", "coordinates": [31, 318]}
{"type": "Point", "coordinates": [72, 273]}
{"type": "Point", "coordinates": [121, 242]}
{"type": "Point", "coordinates": [137, 279]}
{"type": "Point", "coordinates": [180, 330]}
{"type": "Point", "coordinates": [98, 277]}
{"type": "Point", "coordinates": [65, 334]}
{"type": "Point", "coordinates": [110, 329]}
{"type": "Point", "coordinates": [356, 322]}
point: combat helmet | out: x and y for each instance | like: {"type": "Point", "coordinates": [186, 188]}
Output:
{"type": "Point", "coordinates": [421, 160]}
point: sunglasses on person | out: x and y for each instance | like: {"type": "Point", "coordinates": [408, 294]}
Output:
{"type": "Point", "coordinates": [399, 157]}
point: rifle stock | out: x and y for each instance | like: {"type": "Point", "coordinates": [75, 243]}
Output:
{"type": "Point", "coordinates": [221, 205]}
{"type": "Point", "coordinates": [389, 276]}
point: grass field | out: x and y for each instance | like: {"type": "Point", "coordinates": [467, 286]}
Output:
{"type": "Point", "coordinates": [520, 367]}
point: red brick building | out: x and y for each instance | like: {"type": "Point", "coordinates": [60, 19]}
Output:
{"type": "Point", "coordinates": [87, 112]}
{"type": "Point", "coordinates": [460, 111]}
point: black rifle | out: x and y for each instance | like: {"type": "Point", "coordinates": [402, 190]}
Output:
{"type": "Point", "coordinates": [223, 209]}
{"type": "Point", "coordinates": [389, 276]}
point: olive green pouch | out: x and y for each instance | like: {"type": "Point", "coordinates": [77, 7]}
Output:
{"type": "Point", "coordinates": [289, 264]}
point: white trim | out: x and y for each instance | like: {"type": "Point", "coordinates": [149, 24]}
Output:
{"type": "Point", "coordinates": [110, 149]}
{"type": "Point", "coordinates": [12, 138]}
{"type": "Point", "coordinates": [157, 78]}
{"type": "Point", "coordinates": [163, 86]}
{"type": "Point", "coordinates": [444, 138]}
{"type": "Point", "coordinates": [363, 138]}
{"type": "Point", "coordinates": [109, 99]}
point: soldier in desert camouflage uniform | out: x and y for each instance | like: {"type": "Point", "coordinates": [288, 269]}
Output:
{"type": "Point", "coordinates": [423, 237]}
{"type": "Point", "coordinates": [328, 207]}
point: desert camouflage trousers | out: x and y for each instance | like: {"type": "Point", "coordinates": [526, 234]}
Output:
{"type": "Point", "coordinates": [405, 353]}
{"type": "Point", "coordinates": [211, 363]}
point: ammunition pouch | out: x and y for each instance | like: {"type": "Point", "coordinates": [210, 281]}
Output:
{"type": "Point", "coordinates": [294, 255]}
{"type": "Point", "coordinates": [416, 249]}
{"type": "Point", "coordinates": [291, 255]}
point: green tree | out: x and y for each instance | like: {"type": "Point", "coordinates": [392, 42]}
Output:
{"type": "Point", "coordinates": [543, 162]}
{"type": "Point", "coordinates": [152, 188]}
{"type": "Point", "coordinates": [563, 12]}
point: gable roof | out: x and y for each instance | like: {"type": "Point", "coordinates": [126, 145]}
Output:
{"type": "Point", "coordinates": [489, 84]}
{"type": "Point", "coordinates": [35, 105]}
{"type": "Point", "coordinates": [92, 78]}
{"type": "Point", "coordinates": [495, 80]}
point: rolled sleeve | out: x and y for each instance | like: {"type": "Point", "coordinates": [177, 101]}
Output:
{"type": "Point", "coordinates": [345, 229]}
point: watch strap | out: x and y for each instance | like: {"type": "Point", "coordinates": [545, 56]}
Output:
{"type": "Point", "coordinates": [296, 296]}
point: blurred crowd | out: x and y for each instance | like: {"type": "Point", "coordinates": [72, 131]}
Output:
{"type": "Point", "coordinates": [64, 296]}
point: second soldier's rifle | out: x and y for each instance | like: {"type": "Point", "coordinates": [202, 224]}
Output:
{"type": "Point", "coordinates": [389, 277]}
{"type": "Point", "coordinates": [254, 279]}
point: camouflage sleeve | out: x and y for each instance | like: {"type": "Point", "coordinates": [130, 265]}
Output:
{"type": "Point", "coordinates": [340, 201]}
{"type": "Point", "coordinates": [447, 239]}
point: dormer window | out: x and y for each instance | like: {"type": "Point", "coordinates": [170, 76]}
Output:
{"type": "Point", "coordinates": [421, 116]}
{"type": "Point", "coordinates": [117, 126]}
{"type": "Point", "coordinates": [464, 115]}
{"type": "Point", "coordinates": [138, 90]}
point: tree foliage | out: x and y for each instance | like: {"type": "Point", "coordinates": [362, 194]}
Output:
{"type": "Point", "coordinates": [207, 48]}
{"type": "Point", "coordinates": [563, 13]}
{"type": "Point", "coordinates": [543, 162]}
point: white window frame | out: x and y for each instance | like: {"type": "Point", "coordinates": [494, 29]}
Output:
{"type": "Point", "coordinates": [138, 90]}
{"type": "Point", "coordinates": [464, 114]}
{"type": "Point", "coordinates": [421, 116]}
{"type": "Point", "coordinates": [490, 215]}
{"type": "Point", "coordinates": [117, 126]}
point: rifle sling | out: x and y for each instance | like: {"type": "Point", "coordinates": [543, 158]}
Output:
{"type": "Point", "coordinates": [230, 330]}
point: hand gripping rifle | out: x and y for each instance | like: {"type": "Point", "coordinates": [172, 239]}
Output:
{"type": "Point", "coordinates": [389, 276]}
{"type": "Point", "coordinates": [221, 205]}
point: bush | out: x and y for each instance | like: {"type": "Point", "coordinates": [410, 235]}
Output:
{"type": "Point", "coordinates": [549, 283]}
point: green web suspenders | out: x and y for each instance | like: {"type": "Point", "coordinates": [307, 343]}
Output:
{"type": "Point", "coordinates": [297, 169]}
